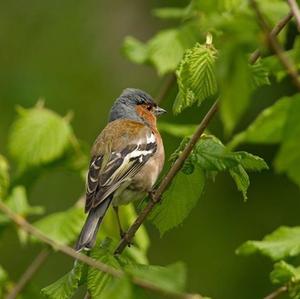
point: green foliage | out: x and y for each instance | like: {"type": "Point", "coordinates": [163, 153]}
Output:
{"type": "Point", "coordinates": [65, 287]}
{"type": "Point", "coordinates": [164, 51]}
{"type": "Point", "coordinates": [170, 278]}
{"type": "Point", "coordinates": [178, 200]}
{"type": "Point", "coordinates": [196, 77]}
{"type": "Point", "coordinates": [169, 13]}
{"type": "Point", "coordinates": [268, 127]}
{"type": "Point", "coordinates": [288, 157]}
{"type": "Point", "coordinates": [97, 281]}
{"type": "Point", "coordinates": [18, 203]}
{"type": "Point", "coordinates": [4, 176]}
{"type": "Point", "coordinates": [3, 281]}
{"type": "Point", "coordinates": [38, 137]}
{"type": "Point", "coordinates": [63, 227]}
{"type": "Point", "coordinates": [284, 242]}
{"type": "Point", "coordinates": [287, 274]}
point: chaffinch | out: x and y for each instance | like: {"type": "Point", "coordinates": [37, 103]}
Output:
{"type": "Point", "coordinates": [127, 158]}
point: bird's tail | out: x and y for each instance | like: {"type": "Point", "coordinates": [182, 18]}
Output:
{"type": "Point", "coordinates": [88, 234]}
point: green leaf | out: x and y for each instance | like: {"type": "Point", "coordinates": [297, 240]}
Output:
{"type": "Point", "coordinates": [4, 176]}
{"type": "Point", "coordinates": [178, 200]}
{"type": "Point", "coordinates": [38, 137]}
{"type": "Point", "coordinates": [251, 162]}
{"type": "Point", "coordinates": [116, 287]}
{"type": "Point", "coordinates": [196, 77]}
{"type": "Point", "coordinates": [241, 179]}
{"type": "Point", "coordinates": [177, 130]}
{"type": "Point", "coordinates": [66, 286]}
{"type": "Point", "coordinates": [287, 274]}
{"type": "Point", "coordinates": [135, 50]}
{"type": "Point", "coordinates": [284, 242]}
{"type": "Point", "coordinates": [170, 278]}
{"type": "Point", "coordinates": [235, 77]}
{"type": "Point", "coordinates": [17, 202]}
{"type": "Point", "coordinates": [284, 273]}
{"type": "Point", "coordinates": [211, 155]}
{"type": "Point", "coordinates": [259, 74]}
{"type": "Point", "coordinates": [63, 227]}
{"type": "Point", "coordinates": [288, 157]}
{"type": "Point", "coordinates": [3, 281]}
{"type": "Point", "coordinates": [267, 128]}
{"type": "Point", "coordinates": [169, 13]}
{"type": "Point", "coordinates": [166, 50]}
{"type": "Point", "coordinates": [97, 281]}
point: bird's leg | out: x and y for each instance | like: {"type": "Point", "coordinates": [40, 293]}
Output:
{"type": "Point", "coordinates": [151, 195]}
{"type": "Point", "coordinates": [122, 233]}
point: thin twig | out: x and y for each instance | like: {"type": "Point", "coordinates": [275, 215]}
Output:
{"type": "Point", "coordinates": [29, 273]}
{"type": "Point", "coordinates": [26, 226]}
{"type": "Point", "coordinates": [275, 31]}
{"type": "Point", "coordinates": [276, 47]}
{"type": "Point", "coordinates": [296, 12]}
{"type": "Point", "coordinates": [277, 293]}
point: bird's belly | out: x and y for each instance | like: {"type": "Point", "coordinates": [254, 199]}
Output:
{"type": "Point", "coordinates": [138, 187]}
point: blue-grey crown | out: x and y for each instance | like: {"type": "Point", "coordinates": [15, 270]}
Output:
{"type": "Point", "coordinates": [124, 106]}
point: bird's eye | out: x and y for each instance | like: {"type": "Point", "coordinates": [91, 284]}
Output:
{"type": "Point", "coordinates": [149, 107]}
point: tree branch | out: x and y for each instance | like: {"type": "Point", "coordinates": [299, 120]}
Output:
{"type": "Point", "coordinates": [26, 226]}
{"type": "Point", "coordinates": [29, 273]}
{"type": "Point", "coordinates": [296, 12]}
{"type": "Point", "coordinates": [157, 194]}
{"type": "Point", "coordinates": [277, 293]}
{"type": "Point", "coordinates": [275, 31]}
{"type": "Point", "coordinates": [276, 47]}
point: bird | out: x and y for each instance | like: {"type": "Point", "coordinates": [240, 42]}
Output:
{"type": "Point", "coordinates": [126, 160]}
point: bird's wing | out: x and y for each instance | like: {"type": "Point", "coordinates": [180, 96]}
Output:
{"type": "Point", "coordinates": [118, 154]}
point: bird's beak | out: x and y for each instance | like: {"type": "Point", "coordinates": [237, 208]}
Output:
{"type": "Point", "coordinates": [159, 111]}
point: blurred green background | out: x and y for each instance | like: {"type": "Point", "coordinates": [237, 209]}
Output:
{"type": "Point", "coordinates": [68, 52]}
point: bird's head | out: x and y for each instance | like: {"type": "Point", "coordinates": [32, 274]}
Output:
{"type": "Point", "coordinates": [137, 105]}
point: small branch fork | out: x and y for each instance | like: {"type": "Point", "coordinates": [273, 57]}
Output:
{"type": "Point", "coordinates": [155, 197]}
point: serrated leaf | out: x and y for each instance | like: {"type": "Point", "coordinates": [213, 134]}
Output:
{"type": "Point", "coordinates": [38, 136]}
{"type": "Point", "coordinates": [267, 128]}
{"type": "Point", "coordinates": [211, 155]}
{"type": "Point", "coordinates": [196, 77]}
{"type": "Point", "coordinates": [97, 281]}
{"type": "Point", "coordinates": [66, 286]}
{"type": "Point", "coordinates": [166, 50]}
{"type": "Point", "coordinates": [287, 274]}
{"type": "Point", "coordinates": [284, 242]}
{"type": "Point", "coordinates": [135, 50]}
{"type": "Point", "coordinates": [170, 278]}
{"type": "Point", "coordinates": [284, 273]}
{"type": "Point", "coordinates": [63, 227]}
{"type": "Point", "coordinates": [116, 287]}
{"type": "Point", "coordinates": [259, 74]}
{"type": "Point", "coordinates": [251, 162]}
{"type": "Point", "coordinates": [178, 200]}
{"type": "Point", "coordinates": [177, 130]}
{"type": "Point", "coordinates": [4, 176]}
{"type": "Point", "coordinates": [288, 157]}
{"type": "Point", "coordinates": [241, 179]}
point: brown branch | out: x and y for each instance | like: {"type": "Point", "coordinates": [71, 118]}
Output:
{"type": "Point", "coordinates": [26, 226]}
{"type": "Point", "coordinates": [29, 273]}
{"type": "Point", "coordinates": [277, 293]}
{"type": "Point", "coordinates": [275, 31]}
{"type": "Point", "coordinates": [296, 12]}
{"type": "Point", "coordinates": [276, 47]}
